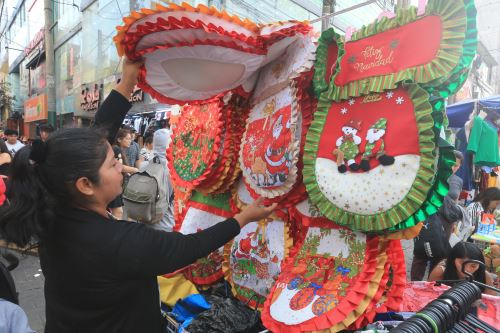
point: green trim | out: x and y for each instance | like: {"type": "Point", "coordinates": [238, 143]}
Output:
{"type": "Point", "coordinates": [417, 194]}
{"type": "Point", "coordinates": [433, 73]}
{"type": "Point", "coordinates": [446, 160]}
{"type": "Point", "coordinates": [458, 76]}
{"type": "Point", "coordinates": [327, 37]}
{"type": "Point", "coordinates": [220, 201]}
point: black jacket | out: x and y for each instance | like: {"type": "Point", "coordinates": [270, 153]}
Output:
{"type": "Point", "coordinates": [100, 274]}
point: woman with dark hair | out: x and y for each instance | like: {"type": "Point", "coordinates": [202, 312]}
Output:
{"type": "Point", "coordinates": [100, 273]}
{"type": "Point", "coordinates": [5, 159]}
{"type": "Point", "coordinates": [485, 202]}
{"type": "Point", "coordinates": [451, 268]}
{"type": "Point", "coordinates": [122, 142]}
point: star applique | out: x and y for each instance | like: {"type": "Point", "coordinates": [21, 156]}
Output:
{"type": "Point", "coordinates": [343, 110]}
{"type": "Point", "coordinates": [403, 165]}
{"type": "Point", "coordinates": [389, 94]}
{"type": "Point", "coordinates": [400, 100]}
{"type": "Point", "coordinates": [346, 206]}
{"type": "Point", "coordinates": [351, 101]}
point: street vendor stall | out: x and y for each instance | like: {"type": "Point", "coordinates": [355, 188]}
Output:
{"type": "Point", "coordinates": [341, 134]}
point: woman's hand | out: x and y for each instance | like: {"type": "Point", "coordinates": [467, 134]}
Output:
{"type": "Point", "coordinates": [130, 73]}
{"type": "Point", "coordinates": [255, 212]}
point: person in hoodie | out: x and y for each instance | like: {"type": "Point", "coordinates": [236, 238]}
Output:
{"type": "Point", "coordinates": [432, 244]}
{"type": "Point", "coordinates": [161, 139]}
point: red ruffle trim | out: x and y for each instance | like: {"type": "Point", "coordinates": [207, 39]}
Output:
{"type": "Point", "coordinates": [394, 293]}
{"type": "Point", "coordinates": [356, 293]}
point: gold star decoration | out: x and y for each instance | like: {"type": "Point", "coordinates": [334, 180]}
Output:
{"type": "Point", "coordinates": [346, 206]}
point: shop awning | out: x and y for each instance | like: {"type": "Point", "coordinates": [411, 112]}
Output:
{"type": "Point", "coordinates": [458, 113]}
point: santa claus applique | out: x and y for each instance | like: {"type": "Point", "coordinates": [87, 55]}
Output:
{"type": "Point", "coordinates": [277, 152]}
{"type": "Point", "coordinates": [374, 145]}
{"type": "Point", "coordinates": [348, 146]}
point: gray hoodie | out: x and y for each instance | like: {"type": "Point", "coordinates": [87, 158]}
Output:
{"type": "Point", "coordinates": [161, 140]}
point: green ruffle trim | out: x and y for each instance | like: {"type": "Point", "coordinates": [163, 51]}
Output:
{"type": "Point", "coordinates": [220, 201]}
{"type": "Point", "coordinates": [439, 189]}
{"type": "Point", "coordinates": [453, 15]}
{"type": "Point", "coordinates": [327, 38]}
{"type": "Point", "coordinates": [454, 82]}
{"type": "Point", "coordinates": [416, 196]}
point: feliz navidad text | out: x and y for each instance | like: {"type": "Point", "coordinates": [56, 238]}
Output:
{"type": "Point", "coordinates": [373, 57]}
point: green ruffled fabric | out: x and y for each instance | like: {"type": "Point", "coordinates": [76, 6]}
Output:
{"type": "Point", "coordinates": [419, 192]}
{"type": "Point", "coordinates": [454, 82]}
{"type": "Point", "coordinates": [327, 38]}
{"type": "Point", "coordinates": [436, 72]}
{"type": "Point", "coordinates": [439, 189]}
{"type": "Point", "coordinates": [220, 201]}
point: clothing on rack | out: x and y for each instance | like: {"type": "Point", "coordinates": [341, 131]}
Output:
{"type": "Point", "coordinates": [483, 142]}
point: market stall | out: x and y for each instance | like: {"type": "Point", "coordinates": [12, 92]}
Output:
{"type": "Point", "coordinates": [341, 134]}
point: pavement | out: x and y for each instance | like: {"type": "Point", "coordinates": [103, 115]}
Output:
{"type": "Point", "coordinates": [29, 282]}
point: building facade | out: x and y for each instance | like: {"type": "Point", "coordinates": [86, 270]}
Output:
{"type": "Point", "coordinates": [86, 63]}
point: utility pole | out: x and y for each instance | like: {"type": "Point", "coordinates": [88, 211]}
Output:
{"type": "Point", "coordinates": [328, 8]}
{"type": "Point", "coordinates": [49, 61]}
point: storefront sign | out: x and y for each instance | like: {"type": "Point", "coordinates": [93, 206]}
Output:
{"type": "Point", "coordinates": [39, 38]}
{"type": "Point", "coordinates": [90, 98]}
{"type": "Point", "coordinates": [36, 108]}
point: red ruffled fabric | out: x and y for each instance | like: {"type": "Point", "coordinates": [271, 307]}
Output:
{"type": "Point", "coordinates": [217, 136]}
{"type": "Point", "coordinates": [388, 297]}
{"type": "Point", "coordinates": [355, 294]}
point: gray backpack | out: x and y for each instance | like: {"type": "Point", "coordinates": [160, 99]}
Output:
{"type": "Point", "coordinates": [145, 196]}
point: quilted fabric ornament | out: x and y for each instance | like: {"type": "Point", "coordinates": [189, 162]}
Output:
{"type": "Point", "coordinates": [252, 261]}
{"type": "Point", "coordinates": [389, 51]}
{"type": "Point", "coordinates": [280, 114]}
{"type": "Point", "coordinates": [194, 54]}
{"type": "Point", "coordinates": [327, 281]}
{"type": "Point", "coordinates": [204, 211]}
{"type": "Point", "coordinates": [395, 158]}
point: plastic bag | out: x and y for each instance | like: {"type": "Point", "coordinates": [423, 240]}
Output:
{"type": "Point", "coordinates": [227, 315]}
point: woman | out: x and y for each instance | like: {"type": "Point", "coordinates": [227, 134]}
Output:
{"type": "Point", "coordinates": [485, 202]}
{"type": "Point", "coordinates": [451, 268]}
{"type": "Point", "coordinates": [122, 142]}
{"type": "Point", "coordinates": [100, 274]}
{"type": "Point", "coordinates": [147, 153]}
{"type": "Point", "coordinates": [5, 159]}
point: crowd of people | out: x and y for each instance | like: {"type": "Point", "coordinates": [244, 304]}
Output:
{"type": "Point", "coordinates": [444, 243]}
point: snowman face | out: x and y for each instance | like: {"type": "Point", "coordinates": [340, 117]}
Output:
{"type": "Point", "coordinates": [278, 126]}
{"type": "Point", "coordinates": [374, 134]}
{"type": "Point", "coordinates": [349, 130]}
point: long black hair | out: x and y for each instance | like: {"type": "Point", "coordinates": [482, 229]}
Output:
{"type": "Point", "coordinates": [43, 179]}
{"type": "Point", "coordinates": [487, 196]}
{"type": "Point", "coordinates": [464, 250]}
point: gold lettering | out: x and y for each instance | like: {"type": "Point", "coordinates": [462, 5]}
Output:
{"type": "Point", "coordinates": [371, 98]}
{"type": "Point", "coordinates": [379, 60]}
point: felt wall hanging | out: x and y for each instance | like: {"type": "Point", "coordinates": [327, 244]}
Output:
{"type": "Point", "coordinates": [197, 144]}
{"type": "Point", "coordinates": [280, 114]}
{"type": "Point", "coordinates": [204, 211]}
{"type": "Point", "coordinates": [194, 54]}
{"type": "Point", "coordinates": [252, 261]}
{"type": "Point", "coordinates": [390, 50]}
{"type": "Point", "coordinates": [369, 162]}
{"type": "Point", "coordinates": [327, 281]}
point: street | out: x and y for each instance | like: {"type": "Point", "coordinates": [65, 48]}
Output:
{"type": "Point", "coordinates": [29, 281]}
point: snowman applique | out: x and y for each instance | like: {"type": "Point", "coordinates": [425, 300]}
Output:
{"type": "Point", "coordinates": [374, 146]}
{"type": "Point", "coordinates": [348, 146]}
